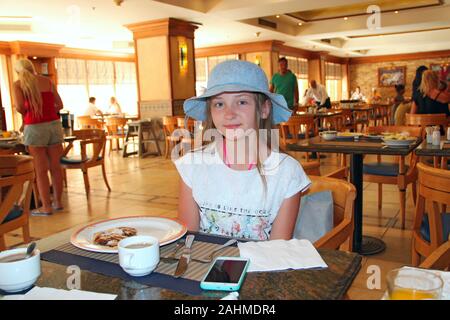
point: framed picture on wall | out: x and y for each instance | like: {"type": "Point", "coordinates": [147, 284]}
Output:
{"type": "Point", "coordinates": [389, 77]}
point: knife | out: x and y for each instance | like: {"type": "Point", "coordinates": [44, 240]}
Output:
{"type": "Point", "coordinates": [185, 257]}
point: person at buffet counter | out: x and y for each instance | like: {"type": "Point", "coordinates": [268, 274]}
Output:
{"type": "Point", "coordinates": [357, 95]}
{"type": "Point", "coordinates": [284, 82]}
{"type": "Point", "coordinates": [114, 107]}
{"type": "Point", "coordinates": [319, 94]}
{"type": "Point", "coordinates": [431, 99]}
{"type": "Point", "coordinates": [376, 97]}
{"type": "Point", "coordinates": [92, 109]}
{"type": "Point", "coordinates": [38, 101]}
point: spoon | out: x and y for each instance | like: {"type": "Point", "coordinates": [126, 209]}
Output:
{"type": "Point", "coordinates": [30, 250]}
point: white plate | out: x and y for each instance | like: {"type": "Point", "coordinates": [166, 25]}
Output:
{"type": "Point", "coordinates": [166, 230]}
{"type": "Point", "coordinates": [8, 139]}
{"type": "Point", "coordinates": [398, 143]}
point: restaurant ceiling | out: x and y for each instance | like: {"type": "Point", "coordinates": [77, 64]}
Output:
{"type": "Point", "coordinates": [405, 26]}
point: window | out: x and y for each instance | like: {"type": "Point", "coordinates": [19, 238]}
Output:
{"type": "Point", "coordinates": [203, 67]}
{"type": "Point", "coordinates": [80, 79]}
{"type": "Point", "coordinates": [333, 80]}
{"type": "Point", "coordinates": [299, 67]}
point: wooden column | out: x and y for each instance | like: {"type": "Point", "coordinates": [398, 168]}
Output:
{"type": "Point", "coordinates": [165, 65]}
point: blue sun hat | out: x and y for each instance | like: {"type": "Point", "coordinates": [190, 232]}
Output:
{"type": "Point", "coordinates": [236, 76]}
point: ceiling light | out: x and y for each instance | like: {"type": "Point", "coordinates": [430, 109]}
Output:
{"type": "Point", "coordinates": [300, 24]}
{"type": "Point", "coordinates": [345, 18]}
{"type": "Point", "coordinates": [278, 16]}
{"type": "Point", "coordinates": [396, 11]}
{"type": "Point", "coordinates": [34, 57]}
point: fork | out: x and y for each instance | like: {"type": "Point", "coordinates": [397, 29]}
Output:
{"type": "Point", "coordinates": [211, 255]}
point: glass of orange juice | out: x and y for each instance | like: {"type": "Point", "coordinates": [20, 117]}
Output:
{"type": "Point", "coordinates": [414, 284]}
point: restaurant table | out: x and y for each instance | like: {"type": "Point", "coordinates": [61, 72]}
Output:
{"type": "Point", "coordinates": [428, 149]}
{"type": "Point", "coordinates": [364, 245]}
{"type": "Point", "coordinates": [329, 283]}
{"type": "Point", "coordinates": [144, 131]}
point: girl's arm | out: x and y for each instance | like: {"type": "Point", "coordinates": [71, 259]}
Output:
{"type": "Point", "coordinates": [284, 224]}
{"type": "Point", "coordinates": [19, 98]}
{"type": "Point", "coordinates": [188, 210]}
{"type": "Point", "coordinates": [58, 101]}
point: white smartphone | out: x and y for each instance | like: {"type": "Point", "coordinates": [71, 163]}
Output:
{"type": "Point", "coordinates": [225, 274]}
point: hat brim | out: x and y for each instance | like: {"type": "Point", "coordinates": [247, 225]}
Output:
{"type": "Point", "coordinates": [195, 107]}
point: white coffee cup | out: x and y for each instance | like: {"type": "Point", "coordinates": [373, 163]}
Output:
{"type": "Point", "coordinates": [328, 135]}
{"type": "Point", "coordinates": [139, 255]}
{"type": "Point", "coordinates": [19, 275]}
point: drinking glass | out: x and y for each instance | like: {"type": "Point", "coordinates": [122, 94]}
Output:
{"type": "Point", "coordinates": [414, 284]}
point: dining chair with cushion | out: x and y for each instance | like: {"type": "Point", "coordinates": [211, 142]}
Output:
{"type": "Point", "coordinates": [439, 259]}
{"type": "Point", "coordinates": [88, 137]}
{"type": "Point", "coordinates": [384, 172]}
{"type": "Point", "coordinates": [116, 129]}
{"type": "Point", "coordinates": [297, 128]}
{"type": "Point", "coordinates": [86, 122]}
{"type": "Point", "coordinates": [431, 226]}
{"type": "Point", "coordinates": [343, 194]}
{"type": "Point", "coordinates": [16, 183]}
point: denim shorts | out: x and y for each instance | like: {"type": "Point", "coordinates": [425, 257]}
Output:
{"type": "Point", "coordinates": [43, 134]}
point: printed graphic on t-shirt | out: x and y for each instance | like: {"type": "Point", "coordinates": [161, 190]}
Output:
{"type": "Point", "coordinates": [235, 222]}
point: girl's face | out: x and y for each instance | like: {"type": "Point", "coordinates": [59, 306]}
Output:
{"type": "Point", "coordinates": [236, 110]}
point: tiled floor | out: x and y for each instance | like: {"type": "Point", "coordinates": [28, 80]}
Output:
{"type": "Point", "coordinates": [150, 187]}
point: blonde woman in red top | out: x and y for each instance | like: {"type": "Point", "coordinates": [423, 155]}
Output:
{"type": "Point", "coordinates": [39, 103]}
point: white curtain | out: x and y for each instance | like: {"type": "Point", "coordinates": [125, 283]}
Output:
{"type": "Point", "coordinates": [6, 94]}
{"type": "Point", "coordinates": [126, 87]}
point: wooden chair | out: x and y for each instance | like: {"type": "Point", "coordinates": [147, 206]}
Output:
{"type": "Point", "coordinates": [296, 129]}
{"type": "Point", "coordinates": [16, 183]}
{"type": "Point", "coordinates": [382, 172]}
{"type": "Point", "coordinates": [439, 259]}
{"type": "Point", "coordinates": [86, 122]}
{"type": "Point", "coordinates": [189, 125]}
{"type": "Point", "coordinates": [344, 194]}
{"type": "Point", "coordinates": [424, 120]}
{"type": "Point", "coordinates": [96, 138]}
{"type": "Point", "coordinates": [312, 168]}
{"type": "Point", "coordinates": [361, 117]}
{"type": "Point", "coordinates": [434, 190]}
{"type": "Point", "coordinates": [170, 124]}
{"type": "Point", "coordinates": [115, 127]}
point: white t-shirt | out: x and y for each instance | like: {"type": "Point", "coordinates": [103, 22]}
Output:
{"type": "Point", "coordinates": [233, 202]}
{"type": "Point", "coordinates": [91, 110]}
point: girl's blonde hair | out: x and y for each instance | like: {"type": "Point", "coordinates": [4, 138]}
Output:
{"type": "Point", "coordinates": [29, 85]}
{"type": "Point", "coordinates": [261, 123]}
{"type": "Point", "coordinates": [430, 80]}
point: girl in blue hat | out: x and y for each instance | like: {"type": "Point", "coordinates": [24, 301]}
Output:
{"type": "Point", "coordinates": [234, 186]}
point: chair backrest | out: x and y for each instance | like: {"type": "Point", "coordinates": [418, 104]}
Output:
{"type": "Point", "coordinates": [434, 189]}
{"type": "Point", "coordinates": [344, 194]}
{"type": "Point", "coordinates": [400, 114]}
{"type": "Point", "coordinates": [86, 122]}
{"type": "Point", "coordinates": [423, 120]}
{"type": "Point", "coordinates": [97, 138]}
{"type": "Point", "coordinates": [290, 129]}
{"type": "Point", "coordinates": [413, 131]}
{"type": "Point", "coordinates": [15, 171]}
{"type": "Point", "coordinates": [115, 125]}
{"type": "Point", "coordinates": [170, 124]}
{"type": "Point", "coordinates": [190, 123]}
